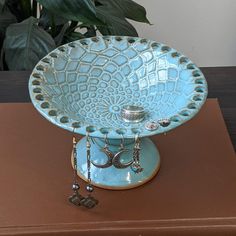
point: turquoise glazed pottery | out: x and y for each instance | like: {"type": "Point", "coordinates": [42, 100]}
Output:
{"type": "Point", "coordinates": [84, 85]}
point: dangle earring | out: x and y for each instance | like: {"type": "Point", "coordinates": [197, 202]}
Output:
{"type": "Point", "coordinates": [136, 167]}
{"type": "Point", "coordinates": [76, 198]}
{"type": "Point", "coordinates": [89, 201]}
{"type": "Point", "coordinates": [108, 153]}
{"type": "Point", "coordinates": [117, 157]}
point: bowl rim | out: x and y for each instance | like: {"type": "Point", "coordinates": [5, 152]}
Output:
{"type": "Point", "coordinates": [81, 128]}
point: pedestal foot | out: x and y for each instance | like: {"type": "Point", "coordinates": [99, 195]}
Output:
{"type": "Point", "coordinates": [117, 178]}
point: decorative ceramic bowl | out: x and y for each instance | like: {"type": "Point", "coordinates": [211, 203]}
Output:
{"type": "Point", "coordinates": [84, 85]}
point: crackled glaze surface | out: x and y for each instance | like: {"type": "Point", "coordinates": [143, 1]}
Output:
{"type": "Point", "coordinates": [86, 83]}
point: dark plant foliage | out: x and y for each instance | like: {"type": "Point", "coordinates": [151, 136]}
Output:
{"type": "Point", "coordinates": [31, 29]}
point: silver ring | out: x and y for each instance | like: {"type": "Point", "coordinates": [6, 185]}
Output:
{"type": "Point", "coordinates": [130, 113]}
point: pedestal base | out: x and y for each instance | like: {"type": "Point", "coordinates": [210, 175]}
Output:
{"type": "Point", "coordinates": [112, 177]}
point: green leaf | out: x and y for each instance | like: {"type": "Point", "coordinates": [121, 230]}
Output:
{"type": "Point", "coordinates": [115, 21]}
{"type": "Point", "coordinates": [59, 38]}
{"type": "Point", "coordinates": [35, 5]}
{"type": "Point", "coordinates": [72, 37]}
{"type": "Point", "coordinates": [16, 9]}
{"type": "Point", "coordinates": [26, 8]}
{"type": "Point", "coordinates": [20, 8]}
{"type": "Point", "coordinates": [46, 18]}
{"type": "Point", "coordinates": [25, 44]}
{"type": "Point", "coordinates": [76, 10]}
{"type": "Point", "coordinates": [6, 18]}
{"type": "Point", "coordinates": [91, 32]}
{"type": "Point", "coordinates": [128, 8]}
{"type": "Point", "coordinates": [2, 4]}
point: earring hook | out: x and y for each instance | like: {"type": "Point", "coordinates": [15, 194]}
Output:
{"type": "Point", "coordinates": [122, 142]}
{"type": "Point", "coordinates": [106, 140]}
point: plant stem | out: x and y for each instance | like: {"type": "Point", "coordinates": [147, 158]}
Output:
{"type": "Point", "coordinates": [72, 27]}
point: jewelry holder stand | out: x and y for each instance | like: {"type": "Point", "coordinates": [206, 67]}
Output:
{"type": "Point", "coordinates": [84, 85]}
{"type": "Point", "coordinates": [116, 176]}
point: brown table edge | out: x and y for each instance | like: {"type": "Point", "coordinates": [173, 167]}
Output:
{"type": "Point", "coordinates": [203, 224]}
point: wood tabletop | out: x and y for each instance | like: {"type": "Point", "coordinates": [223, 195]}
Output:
{"type": "Point", "coordinates": [221, 81]}
{"type": "Point", "coordinates": [193, 194]}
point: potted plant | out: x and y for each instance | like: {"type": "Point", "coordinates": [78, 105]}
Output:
{"type": "Point", "coordinates": [31, 29]}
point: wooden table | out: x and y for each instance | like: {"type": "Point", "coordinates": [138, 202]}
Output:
{"type": "Point", "coordinates": [193, 194]}
{"type": "Point", "coordinates": [221, 81]}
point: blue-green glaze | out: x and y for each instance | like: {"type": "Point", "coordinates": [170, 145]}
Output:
{"type": "Point", "coordinates": [84, 84]}
{"type": "Point", "coordinates": [111, 177]}
{"type": "Point", "coordinates": [88, 81]}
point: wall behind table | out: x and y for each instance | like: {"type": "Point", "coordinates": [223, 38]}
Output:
{"type": "Point", "coordinates": [203, 30]}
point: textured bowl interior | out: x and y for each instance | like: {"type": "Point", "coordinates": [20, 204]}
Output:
{"type": "Point", "coordinates": [84, 85]}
